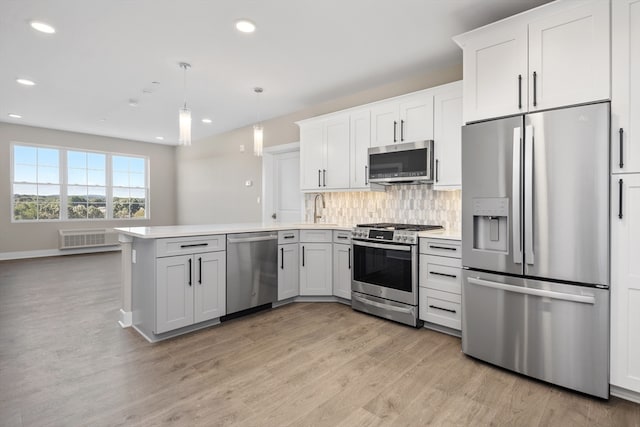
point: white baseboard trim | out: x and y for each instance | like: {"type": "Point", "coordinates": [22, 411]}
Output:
{"type": "Point", "coordinates": [5, 256]}
{"type": "Point", "coordinates": [126, 319]}
{"type": "Point", "coordinates": [328, 298]}
{"type": "Point", "coordinates": [625, 394]}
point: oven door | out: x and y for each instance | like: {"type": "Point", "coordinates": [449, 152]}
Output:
{"type": "Point", "coordinates": [386, 270]}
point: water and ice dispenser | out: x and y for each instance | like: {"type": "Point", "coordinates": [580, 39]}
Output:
{"type": "Point", "coordinates": [491, 224]}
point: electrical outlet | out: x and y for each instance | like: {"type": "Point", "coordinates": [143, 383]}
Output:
{"type": "Point", "coordinates": [133, 256]}
{"type": "Point", "coordinates": [241, 148]}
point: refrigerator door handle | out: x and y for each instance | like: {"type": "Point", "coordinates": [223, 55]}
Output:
{"type": "Point", "coordinates": [515, 197]}
{"type": "Point", "coordinates": [585, 299]}
{"type": "Point", "coordinates": [528, 195]}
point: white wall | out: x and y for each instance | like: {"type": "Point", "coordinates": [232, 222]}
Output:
{"type": "Point", "coordinates": [212, 172]}
{"type": "Point", "coordinates": [43, 236]}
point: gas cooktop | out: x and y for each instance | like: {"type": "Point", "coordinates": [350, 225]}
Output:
{"type": "Point", "coordinates": [408, 227]}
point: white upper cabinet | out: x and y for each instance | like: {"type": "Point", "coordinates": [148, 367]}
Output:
{"type": "Point", "coordinates": [625, 105]}
{"type": "Point", "coordinates": [491, 90]}
{"type": "Point", "coordinates": [360, 143]}
{"type": "Point", "coordinates": [569, 57]}
{"type": "Point", "coordinates": [552, 56]}
{"type": "Point", "coordinates": [407, 118]}
{"type": "Point", "coordinates": [324, 154]}
{"type": "Point", "coordinates": [447, 122]}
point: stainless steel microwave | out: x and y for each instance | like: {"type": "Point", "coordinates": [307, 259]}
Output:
{"type": "Point", "coordinates": [409, 163]}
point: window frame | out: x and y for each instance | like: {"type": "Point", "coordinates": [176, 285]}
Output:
{"type": "Point", "coordinates": [63, 179]}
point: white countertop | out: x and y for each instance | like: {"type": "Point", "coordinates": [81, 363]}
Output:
{"type": "Point", "coordinates": [159, 232]}
{"type": "Point", "coordinates": [442, 234]}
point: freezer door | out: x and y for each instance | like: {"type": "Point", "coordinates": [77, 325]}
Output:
{"type": "Point", "coordinates": [566, 200]}
{"type": "Point", "coordinates": [491, 199]}
{"type": "Point", "coordinates": [554, 332]}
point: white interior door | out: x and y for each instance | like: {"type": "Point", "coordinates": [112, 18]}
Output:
{"type": "Point", "coordinates": [281, 189]}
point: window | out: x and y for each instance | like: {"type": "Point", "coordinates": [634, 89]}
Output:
{"type": "Point", "coordinates": [61, 184]}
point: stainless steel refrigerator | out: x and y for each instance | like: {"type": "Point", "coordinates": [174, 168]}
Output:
{"type": "Point", "coordinates": [535, 245]}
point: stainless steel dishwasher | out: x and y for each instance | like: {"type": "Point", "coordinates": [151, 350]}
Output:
{"type": "Point", "coordinates": [252, 270]}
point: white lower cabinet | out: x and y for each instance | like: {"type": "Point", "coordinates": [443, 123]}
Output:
{"type": "Point", "coordinates": [342, 262]}
{"type": "Point", "coordinates": [189, 289]}
{"type": "Point", "coordinates": [625, 282]}
{"type": "Point", "coordinates": [288, 269]}
{"type": "Point", "coordinates": [316, 266]}
{"type": "Point", "coordinates": [440, 290]}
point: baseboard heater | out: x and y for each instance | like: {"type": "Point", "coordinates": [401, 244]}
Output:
{"type": "Point", "coordinates": [87, 238]}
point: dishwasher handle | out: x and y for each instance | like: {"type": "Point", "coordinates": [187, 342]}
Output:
{"type": "Point", "coordinates": [252, 239]}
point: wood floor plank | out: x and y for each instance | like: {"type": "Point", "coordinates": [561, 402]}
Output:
{"type": "Point", "coordinates": [64, 361]}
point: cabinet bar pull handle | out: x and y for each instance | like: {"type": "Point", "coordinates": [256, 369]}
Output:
{"type": "Point", "coordinates": [519, 91]}
{"type": "Point", "coordinates": [443, 309]}
{"type": "Point", "coordinates": [453, 276]}
{"type": "Point", "coordinates": [281, 258]}
{"type": "Point", "coordinates": [289, 236]}
{"type": "Point", "coordinates": [401, 130]}
{"type": "Point", "coordinates": [620, 199]}
{"type": "Point", "coordinates": [190, 271]}
{"type": "Point", "coordinates": [366, 175]}
{"type": "Point", "coordinates": [349, 258]}
{"type": "Point", "coordinates": [443, 247]}
{"type": "Point", "coordinates": [535, 89]}
{"type": "Point", "coordinates": [437, 163]}
{"type": "Point", "coordinates": [621, 157]}
{"type": "Point", "coordinates": [343, 237]}
{"type": "Point", "coordinates": [303, 256]}
{"type": "Point", "coordinates": [324, 177]}
{"type": "Point", "coordinates": [195, 245]}
{"type": "Point", "coordinates": [319, 172]}
{"type": "Point", "coordinates": [200, 270]}
{"type": "Point", "coordinates": [395, 124]}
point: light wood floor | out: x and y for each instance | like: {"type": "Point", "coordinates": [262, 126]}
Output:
{"type": "Point", "coordinates": [64, 361]}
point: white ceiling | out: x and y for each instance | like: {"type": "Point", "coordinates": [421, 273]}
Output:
{"type": "Point", "coordinates": [304, 52]}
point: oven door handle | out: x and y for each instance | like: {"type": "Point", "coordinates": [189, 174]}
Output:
{"type": "Point", "coordinates": [380, 305]}
{"type": "Point", "coordinates": [403, 248]}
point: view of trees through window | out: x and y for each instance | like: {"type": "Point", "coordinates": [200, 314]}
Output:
{"type": "Point", "coordinates": [59, 184]}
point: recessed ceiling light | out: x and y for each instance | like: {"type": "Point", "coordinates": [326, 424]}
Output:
{"type": "Point", "coordinates": [245, 26]}
{"type": "Point", "coordinates": [160, 138]}
{"type": "Point", "coordinates": [207, 121]}
{"type": "Point", "coordinates": [43, 27]}
{"type": "Point", "coordinates": [26, 82]}
{"type": "Point", "coordinates": [15, 116]}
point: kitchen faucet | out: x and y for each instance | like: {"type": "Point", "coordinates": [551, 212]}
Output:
{"type": "Point", "coordinates": [316, 217]}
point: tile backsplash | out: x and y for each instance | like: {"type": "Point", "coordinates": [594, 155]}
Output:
{"type": "Point", "coordinates": [411, 204]}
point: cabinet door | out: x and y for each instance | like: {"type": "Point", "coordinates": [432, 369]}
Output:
{"type": "Point", "coordinates": [385, 120]}
{"type": "Point", "coordinates": [448, 136]}
{"type": "Point", "coordinates": [288, 271]}
{"type": "Point", "coordinates": [312, 156]}
{"type": "Point", "coordinates": [495, 73]}
{"type": "Point", "coordinates": [174, 293]}
{"type": "Point", "coordinates": [360, 136]}
{"type": "Point", "coordinates": [625, 105]}
{"type": "Point", "coordinates": [316, 269]}
{"type": "Point", "coordinates": [416, 117]}
{"type": "Point", "coordinates": [625, 282]}
{"type": "Point", "coordinates": [569, 53]}
{"type": "Point", "coordinates": [336, 173]}
{"type": "Point", "coordinates": [342, 271]}
{"type": "Point", "coordinates": [210, 278]}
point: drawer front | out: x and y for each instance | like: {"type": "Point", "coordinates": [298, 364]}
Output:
{"type": "Point", "coordinates": [441, 273]}
{"type": "Point", "coordinates": [440, 247]}
{"type": "Point", "coordinates": [288, 236]}
{"type": "Point", "coordinates": [440, 308]}
{"type": "Point", "coordinates": [340, 236]}
{"type": "Point", "coordinates": [316, 236]}
{"type": "Point", "coordinates": [190, 245]}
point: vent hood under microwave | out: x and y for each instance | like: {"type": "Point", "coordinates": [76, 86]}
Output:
{"type": "Point", "coordinates": [408, 163]}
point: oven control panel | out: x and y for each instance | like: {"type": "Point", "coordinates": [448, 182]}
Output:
{"type": "Point", "coordinates": [393, 236]}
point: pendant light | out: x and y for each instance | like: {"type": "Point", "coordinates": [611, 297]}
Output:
{"type": "Point", "coordinates": [257, 128]}
{"type": "Point", "coordinates": [184, 114]}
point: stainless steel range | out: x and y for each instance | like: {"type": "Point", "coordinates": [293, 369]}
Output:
{"type": "Point", "coordinates": [385, 270]}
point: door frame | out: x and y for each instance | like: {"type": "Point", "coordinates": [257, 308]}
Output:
{"type": "Point", "coordinates": [268, 181]}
